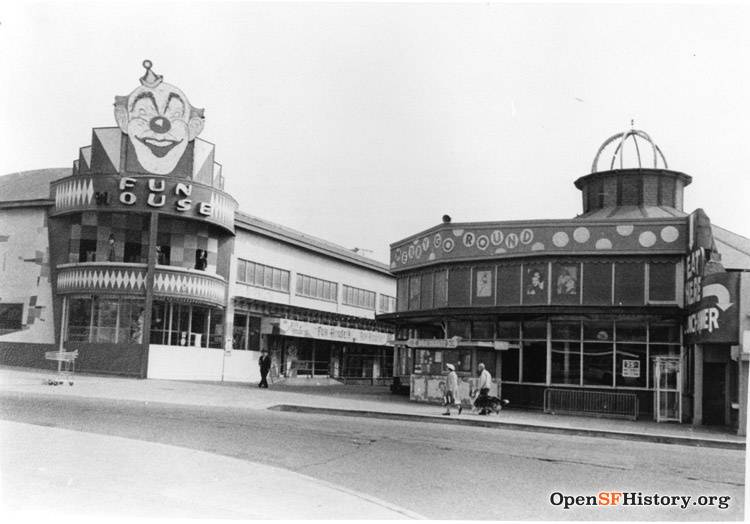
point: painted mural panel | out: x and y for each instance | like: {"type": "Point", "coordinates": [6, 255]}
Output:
{"type": "Point", "coordinates": [26, 314]}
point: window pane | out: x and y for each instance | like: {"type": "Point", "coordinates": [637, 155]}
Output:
{"type": "Point", "coordinates": [285, 281]}
{"type": "Point", "coordinates": [534, 362]}
{"type": "Point", "coordinates": [566, 289]}
{"type": "Point", "coordinates": [631, 365]}
{"type": "Point", "coordinates": [661, 281]}
{"type": "Point", "coordinates": [402, 291]}
{"type": "Point", "coordinates": [276, 279]}
{"type": "Point", "coordinates": [484, 286]}
{"type": "Point", "coordinates": [601, 331]}
{"type": "Point", "coordinates": [597, 364]}
{"type": "Point", "coordinates": [566, 330]}
{"type": "Point", "coordinates": [426, 292]}
{"type": "Point", "coordinates": [258, 274]}
{"type": "Point", "coordinates": [105, 320]}
{"type": "Point", "coordinates": [537, 329]}
{"type": "Point", "coordinates": [629, 279]}
{"type": "Point", "coordinates": [535, 283]}
{"type": "Point", "coordinates": [440, 297]}
{"type": "Point", "coordinates": [664, 333]}
{"type": "Point", "coordinates": [239, 332]}
{"type": "Point", "coordinates": [566, 362]}
{"type": "Point", "coordinates": [459, 328]}
{"type": "Point", "coordinates": [509, 366]}
{"type": "Point", "coordinates": [459, 284]}
{"type": "Point", "coordinates": [267, 277]}
{"type": "Point", "coordinates": [241, 270]}
{"type": "Point", "coordinates": [631, 331]}
{"type": "Point", "coordinates": [483, 330]}
{"type": "Point", "coordinates": [79, 319]}
{"type": "Point", "coordinates": [507, 330]}
{"type": "Point", "coordinates": [597, 283]}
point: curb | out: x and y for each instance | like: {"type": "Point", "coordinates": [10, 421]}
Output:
{"type": "Point", "coordinates": [515, 426]}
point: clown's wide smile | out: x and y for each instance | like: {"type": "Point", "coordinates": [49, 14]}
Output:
{"type": "Point", "coordinates": [159, 148]}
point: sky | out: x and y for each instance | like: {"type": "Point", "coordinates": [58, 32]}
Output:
{"type": "Point", "coordinates": [363, 123]}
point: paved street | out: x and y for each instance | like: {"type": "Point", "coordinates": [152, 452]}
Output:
{"type": "Point", "coordinates": [438, 471]}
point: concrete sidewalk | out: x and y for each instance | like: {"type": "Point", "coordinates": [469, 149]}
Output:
{"type": "Point", "coordinates": [44, 470]}
{"type": "Point", "coordinates": [356, 401]}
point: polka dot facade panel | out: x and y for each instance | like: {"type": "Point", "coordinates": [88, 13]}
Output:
{"type": "Point", "coordinates": [509, 239]}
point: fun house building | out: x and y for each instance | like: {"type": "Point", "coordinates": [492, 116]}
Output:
{"type": "Point", "coordinates": [138, 259]}
{"type": "Point", "coordinates": [634, 308]}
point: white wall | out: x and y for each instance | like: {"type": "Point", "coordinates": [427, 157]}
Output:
{"type": "Point", "coordinates": [24, 272]}
{"type": "Point", "coordinates": [264, 250]}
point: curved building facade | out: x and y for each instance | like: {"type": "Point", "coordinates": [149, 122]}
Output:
{"type": "Point", "coordinates": [590, 315]}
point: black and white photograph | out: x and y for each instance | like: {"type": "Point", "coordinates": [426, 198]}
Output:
{"type": "Point", "coordinates": [369, 261]}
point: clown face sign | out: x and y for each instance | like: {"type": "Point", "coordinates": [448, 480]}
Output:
{"type": "Point", "coordinates": [159, 122]}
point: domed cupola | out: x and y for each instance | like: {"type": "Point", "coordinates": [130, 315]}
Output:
{"type": "Point", "coordinates": [635, 182]}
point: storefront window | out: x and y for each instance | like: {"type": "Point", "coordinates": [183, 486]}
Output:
{"type": "Point", "coordinates": [664, 333]}
{"type": "Point", "coordinates": [216, 329]}
{"type": "Point", "coordinates": [105, 320]}
{"type": "Point", "coordinates": [631, 365]}
{"type": "Point", "coordinates": [461, 358]}
{"type": "Point", "coordinates": [566, 362]}
{"type": "Point", "coordinates": [598, 331]}
{"type": "Point", "coordinates": [79, 319]}
{"type": "Point", "coordinates": [489, 359]}
{"type": "Point", "coordinates": [159, 323]}
{"type": "Point", "coordinates": [509, 367]}
{"type": "Point", "coordinates": [246, 334]}
{"type": "Point", "coordinates": [534, 367]}
{"type": "Point", "coordinates": [597, 364]}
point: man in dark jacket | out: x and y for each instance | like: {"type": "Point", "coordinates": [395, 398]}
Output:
{"type": "Point", "coordinates": [265, 366]}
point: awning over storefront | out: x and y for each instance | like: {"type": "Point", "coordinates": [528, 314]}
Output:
{"type": "Point", "coordinates": [298, 328]}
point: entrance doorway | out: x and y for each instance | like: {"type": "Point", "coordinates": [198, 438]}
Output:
{"type": "Point", "coordinates": [714, 393]}
{"type": "Point", "coordinates": [668, 393]}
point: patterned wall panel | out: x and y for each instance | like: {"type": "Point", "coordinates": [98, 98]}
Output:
{"type": "Point", "coordinates": [512, 239]}
{"type": "Point", "coordinates": [200, 288]}
{"type": "Point", "coordinates": [108, 278]}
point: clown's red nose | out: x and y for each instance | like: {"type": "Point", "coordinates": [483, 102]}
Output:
{"type": "Point", "coordinates": [159, 124]}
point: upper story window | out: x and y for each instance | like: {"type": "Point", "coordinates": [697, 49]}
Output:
{"type": "Point", "coordinates": [263, 276]}
{"type": "Point", "coordinates": [387, 304]}
{"type": "Point", "coordinates": [354, 296]}
{"type": "Point", "coordinates": [312, 287]}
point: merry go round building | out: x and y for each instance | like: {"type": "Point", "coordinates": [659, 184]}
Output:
{"type": "Point", "coordinates": [632, 308]}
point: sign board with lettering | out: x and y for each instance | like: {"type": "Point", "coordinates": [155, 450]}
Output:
{"type": "Point", "coordinates": [494, 240]}
{"type": "Point", "coordinates": [631, 368]}
{"type": "Point", "coordinates": [298, 328]}
{"type": "Point", "coordinates": [169, 195]}
{"type": "Point", "coordinates": [714, 309]}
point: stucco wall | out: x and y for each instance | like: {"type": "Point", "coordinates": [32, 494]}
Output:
{"type": "Point", "coordinates": [25, 273]}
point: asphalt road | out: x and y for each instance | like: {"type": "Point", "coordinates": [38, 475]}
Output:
{"type": "Point", "coordinates": [440, 471]}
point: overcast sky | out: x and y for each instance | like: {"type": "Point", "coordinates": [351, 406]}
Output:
{"type": "Point", "coordinates": [365, 123]}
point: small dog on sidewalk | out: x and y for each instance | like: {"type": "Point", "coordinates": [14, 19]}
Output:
{"type": "Point", "coordinates": [485, 405]}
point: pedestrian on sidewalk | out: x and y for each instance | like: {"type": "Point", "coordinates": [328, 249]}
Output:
{"type": "Point", "coordinates": [265, 366]}
{"type": "Point", "coordinates": [451, 390]}
{"type": "Point", "coordinates": [485, 382]}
